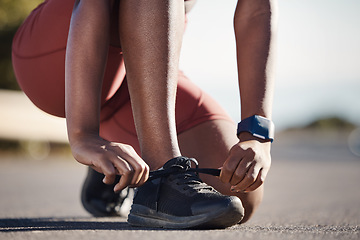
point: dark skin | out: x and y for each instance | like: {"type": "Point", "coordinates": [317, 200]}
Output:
{"type": "Point", "coordinates": [151, 46]}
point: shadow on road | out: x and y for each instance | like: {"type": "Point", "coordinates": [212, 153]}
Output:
{"type": "Point", "coordinates": [60, 224]}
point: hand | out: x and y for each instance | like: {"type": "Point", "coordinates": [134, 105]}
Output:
{"type": "Point", "coordinates": [247, 164]}
{"type": "Point", "coordinates": [111, 159]}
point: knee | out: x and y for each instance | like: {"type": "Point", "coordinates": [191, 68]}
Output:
{"type": "Point", "coordinates": [249, 210]}
{"type": "Point", "coordinates": [251, 202]}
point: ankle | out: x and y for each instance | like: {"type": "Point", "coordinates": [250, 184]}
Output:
{"type": "Point", "coordinates": [157, 161]}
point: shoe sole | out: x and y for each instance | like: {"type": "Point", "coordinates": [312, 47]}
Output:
{"type": "Point", "coordinates": [220, 218]}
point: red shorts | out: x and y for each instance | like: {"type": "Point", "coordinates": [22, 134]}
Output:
{"type": "Point", "coordinates": [39, 64]}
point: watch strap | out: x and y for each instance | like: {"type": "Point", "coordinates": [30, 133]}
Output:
{"type": "Point", "coordinates": [258, 126]}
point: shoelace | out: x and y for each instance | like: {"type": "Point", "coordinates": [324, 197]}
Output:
{"type": "Point", "coordinates": [175, 169]}
{"type": "Point", "coordinates": [185, 175]}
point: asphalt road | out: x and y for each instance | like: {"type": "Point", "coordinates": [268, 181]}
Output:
{"type": "Point", "coordinates": [312, 192]}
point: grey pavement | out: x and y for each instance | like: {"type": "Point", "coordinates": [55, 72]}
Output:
{"type": "Point", "coordinates": [312, 192]}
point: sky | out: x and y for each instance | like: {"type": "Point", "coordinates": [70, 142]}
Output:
{"type": "Point", "coordinates": [318, 58]}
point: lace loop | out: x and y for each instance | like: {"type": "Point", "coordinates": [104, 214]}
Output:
{"type": "Point", "coordinates": [181, 169]}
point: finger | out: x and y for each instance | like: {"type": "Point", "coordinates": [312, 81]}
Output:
{"type": "Point", "coordinates": [126, 171]}
{"type": "Point", "coordinates": [139, 170]}
{"type": "Point", "coordinates": [106, 167]}
{"type": "Point", "coordinates": [240, 172]}
{"type": "Point", "coordinates": [123, 183]}
{"type": "Point", "coordinates": [138, 165]}
{"type": "Point", "coordinates": [255, 185]}
{"type": "Point", "coordinates": [244, 174]}
{"type": "Point", "coordinates": [144, 177]}
{"type": "Point", "coordinates": [230, 164]}
{"type": "Point", "coordinates": [259, 181]}
{"type": "Point", "coordinates": [248, 180]}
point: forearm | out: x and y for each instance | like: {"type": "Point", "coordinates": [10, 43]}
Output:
{"type": "Point", "coordinates": [254, 27]}
{"type": "Point", "coordinates": [86, 55]}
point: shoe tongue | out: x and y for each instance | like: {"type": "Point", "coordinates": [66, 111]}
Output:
{"type": "Point", "coordinates": [178, 161]}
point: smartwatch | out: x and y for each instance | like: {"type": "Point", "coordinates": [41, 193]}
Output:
{"type": "Point", "coordinates": [258, 126]}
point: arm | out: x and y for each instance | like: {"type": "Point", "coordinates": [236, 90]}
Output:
{"type": "Point", "coordinates": [254, 31]}
{"type": "Point", "coordinates": [249, 161]}
{"type": "Point", "coordinates": [85, 63]}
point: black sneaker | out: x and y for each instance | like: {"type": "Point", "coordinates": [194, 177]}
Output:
{"type": "Point", "coordinates": [100, 200]}
{"type": "Point", "coordinates": [175, 197]}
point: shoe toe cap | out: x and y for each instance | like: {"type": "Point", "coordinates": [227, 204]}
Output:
{"type": "Point", "coordinates": [225, 204]}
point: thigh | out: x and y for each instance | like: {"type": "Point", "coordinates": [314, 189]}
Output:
{"type": "Point", "coordinates": [38, 55]}
{"type": "Point", "coordinates": [193, 107]}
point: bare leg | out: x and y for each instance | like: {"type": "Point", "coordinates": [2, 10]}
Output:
{"type": "Point", "coordinates": [210, 143]}
{"type": "Point", "coordinates": [150, 35]}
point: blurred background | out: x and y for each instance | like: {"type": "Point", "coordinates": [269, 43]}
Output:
{"type": "Point", "coordinates": [316, 153]}
{"type": "Point", "coordinates": [318, 73]}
